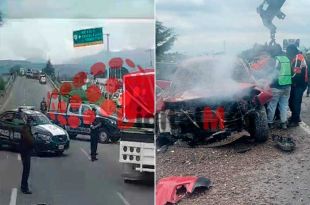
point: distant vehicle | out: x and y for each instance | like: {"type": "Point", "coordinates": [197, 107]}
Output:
{"type": "Point", "coordinates": [22, 71]}
{"type": "Point", "coordinates": [42, 78]}
{"type": "Point", "coordinates": [108, 131]}
{"type": "Point", "coordinates": [36, 74]}
{"type": "Point", "coordinates": [48, 136]}
{"type": "Point", "coordinates": [29, 73]}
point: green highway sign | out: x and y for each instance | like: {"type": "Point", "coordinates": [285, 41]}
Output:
{"type": "Point", "coordinates": [87, 37]}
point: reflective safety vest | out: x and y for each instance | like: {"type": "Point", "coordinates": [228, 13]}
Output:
{"type": "Point", "coordinates": [285, 75]}
{"type": "Point", "coordinates": [303, 65]}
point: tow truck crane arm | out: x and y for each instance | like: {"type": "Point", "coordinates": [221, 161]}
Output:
{"type": "Point", "coordinates": [268, 10]}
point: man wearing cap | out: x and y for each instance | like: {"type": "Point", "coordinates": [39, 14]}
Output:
{"type": "Point", "coordinates": [300, 75]}
{"type": "Point", "coordinates": [280, 86]}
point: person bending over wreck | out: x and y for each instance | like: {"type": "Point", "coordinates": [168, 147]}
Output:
{"type": "Point", "coordinates": [280, 86]}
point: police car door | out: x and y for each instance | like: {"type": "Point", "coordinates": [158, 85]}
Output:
{"type": "Point", "coordinates": [7, 126]}
{"type": "Point", "coordinates": [85, 125]}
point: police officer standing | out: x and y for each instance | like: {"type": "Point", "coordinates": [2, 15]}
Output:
{"type": "Point", "coordinates": [26, 146]}
{"type": "Point", "coordinates": [94, 138]}
{"type": "Point", "coordinates": [43, 106]}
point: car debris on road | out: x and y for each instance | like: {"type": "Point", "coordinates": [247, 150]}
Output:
{"type": "Point", "coordinates": [173, 189]}
{"type": "Point", "coordinates": [284, 143]}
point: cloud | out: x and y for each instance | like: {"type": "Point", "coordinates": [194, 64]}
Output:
{"type": "Point", "coordinates": [52, 38]}
{"type": "Point", "coordinates": [78, 8]}
{"type": "Point", "coordinates": [204, 25]}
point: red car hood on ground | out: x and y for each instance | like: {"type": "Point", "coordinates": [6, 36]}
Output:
{"type": "Point", "coordinates": [167, 188]}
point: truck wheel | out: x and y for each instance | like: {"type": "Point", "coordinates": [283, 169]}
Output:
{"type": "Point", "coordinates": [103, 136]}
{"type": "Point", "coordinates": [258, 125]}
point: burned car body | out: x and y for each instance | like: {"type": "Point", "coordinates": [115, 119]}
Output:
{"type": "Point", "coordinates": [213, 105]}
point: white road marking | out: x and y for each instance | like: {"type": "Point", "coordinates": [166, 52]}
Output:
{"type": "Point", "coordinates": [13, 196]}
{"type": "Point", "coordinates": [305, 127]}
{"type": "Point", "coordinates": [123, 198]}
{"type": "Point", "coordinates": [87, 155]}
{"type": "Point", "coordinates": [18, 157]}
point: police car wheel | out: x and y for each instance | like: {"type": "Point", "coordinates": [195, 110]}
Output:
{"type": "Point", "coordinates": [128, 181]}
{"type": "Point", "coordinates": [59, 153]}
{"type": "Point", "coordinates": [72, 136]}
{"type": "Point", "coordinates": [103, 136]}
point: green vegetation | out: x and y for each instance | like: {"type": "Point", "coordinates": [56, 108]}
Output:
{"type": "Point", "coordinates": [49, 69]}
{"type": "Point", "coordinates": [165, 38]}
{"type": "Point", "coordinates": [2, 83]}
{"type": "Point", "coordinates": [15, 69]}
{"type": "Point", "coordinates": [1, 20]}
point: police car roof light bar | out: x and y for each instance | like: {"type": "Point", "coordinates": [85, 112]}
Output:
{"type": "Point", "coordinates": [25, 108]}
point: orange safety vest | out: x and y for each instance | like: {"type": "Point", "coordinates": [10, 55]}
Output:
{"type": "Point", "coordinates": [303, 64]}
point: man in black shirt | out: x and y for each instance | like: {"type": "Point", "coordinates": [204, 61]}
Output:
{"type": "Point", "coordinates": [26, 146]}
{"type": "Point", "coordinates": [300, 75]}
{"type": "Point", "coordinates": [94, 138]}
{"type": "Point", "coordinates": [43, 106]}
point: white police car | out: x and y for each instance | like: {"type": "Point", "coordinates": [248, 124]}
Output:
{"type": "Point", "coordinates": [48, 136]}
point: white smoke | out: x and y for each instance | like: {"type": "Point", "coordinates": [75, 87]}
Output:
{"type": "Point", "coordinates": [208, 76]}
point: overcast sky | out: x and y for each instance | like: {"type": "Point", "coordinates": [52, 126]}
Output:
{"type": "Point", "coordinates": [77, 8]}
{"type": "Point", "coordinates": [204, 25]}
{"type": "Point", "coordinates": [52, 38]}
{"type": "Point", "coordinates": [41, 29]}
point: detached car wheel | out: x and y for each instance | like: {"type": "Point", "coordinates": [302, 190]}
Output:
{"type": "Point", "coordinates": [258, 126]}
{"type": "Point", "coordinates": [103, 136]}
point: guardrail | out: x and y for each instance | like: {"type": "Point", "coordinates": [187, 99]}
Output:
{"type": "Point", "coordinates": [8, 85]}
{"type": "Point", "coordinates": [52, 83]}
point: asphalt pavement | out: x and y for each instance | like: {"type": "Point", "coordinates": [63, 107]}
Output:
{"type": "Point", "coordinates": [71, 179]}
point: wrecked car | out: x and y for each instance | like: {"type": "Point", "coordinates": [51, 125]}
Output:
{"type": "Point", "coordinates": [210, 99]}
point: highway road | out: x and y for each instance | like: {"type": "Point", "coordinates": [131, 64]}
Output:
{"type": "Point", "coordinates": [71, 179]}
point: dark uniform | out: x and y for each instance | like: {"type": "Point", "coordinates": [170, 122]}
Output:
{"type": "Point", "coordinates": [299, 83]}
{"type": "Point", "coordinates": [26, 146]}
{"type": "Point", "coordinates": [43, 106]}
{"type": "Point", "coordinates": [94, 139]}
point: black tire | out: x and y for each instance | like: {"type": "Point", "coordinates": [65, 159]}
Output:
{"type": "Point", "coordinates": [114, 139]}
{"type": "Point", "coordinates": [72, 136]}
{"type": "Point", "coordinates": [15, 148]}
{"type": "Point", "coordinates": [59, 153]}
{"type": "Point", "coordinates": [39, 154]}
{"type": "Point", "coordinates": [103, 136]}
{"type": "Point", "coordinates": [128, 181]}
{"type": "Point", "coordinates": [258, 126]}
